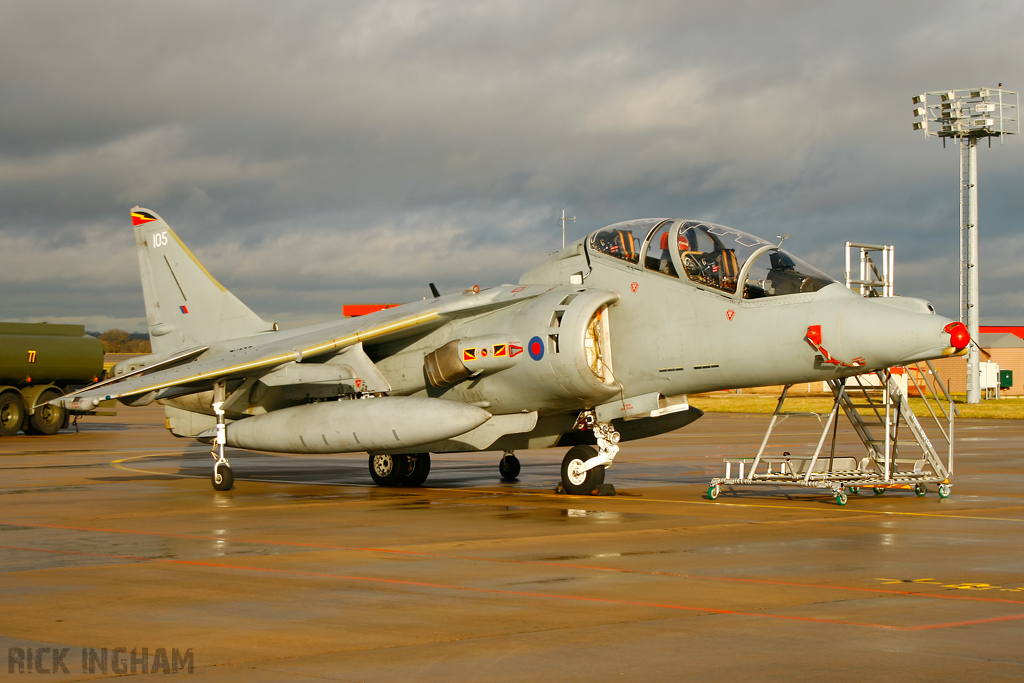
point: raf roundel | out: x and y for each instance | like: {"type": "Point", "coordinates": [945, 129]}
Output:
{"type": "Point", "coordinates": [536, 348]}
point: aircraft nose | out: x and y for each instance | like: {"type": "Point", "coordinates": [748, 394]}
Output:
{"type": "Point", "coordinates": [889, 332]}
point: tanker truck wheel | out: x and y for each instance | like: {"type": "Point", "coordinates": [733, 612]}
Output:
{"type": "Point", "coordinates": [48, 419]}
{"type": "Point", "coordinates": [12, 414]}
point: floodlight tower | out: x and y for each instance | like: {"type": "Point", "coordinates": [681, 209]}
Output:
{"type": "Point", "coordinates": [968, 115]}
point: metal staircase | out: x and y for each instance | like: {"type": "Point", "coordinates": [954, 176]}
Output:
{"type": "Point", "coordinates": [898, 453]}
{"type": "Point", "coordinates": [878, 411]}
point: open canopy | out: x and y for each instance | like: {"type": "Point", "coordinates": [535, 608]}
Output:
{"type": "Point", "coordinates": [709, 255]}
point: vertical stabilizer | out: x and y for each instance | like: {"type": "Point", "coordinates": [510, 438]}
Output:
{"type": "Point", "coordinates": [185, 305]}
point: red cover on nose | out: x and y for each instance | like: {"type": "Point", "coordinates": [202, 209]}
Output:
{"type": "Point", "coordinates": [959, 337]}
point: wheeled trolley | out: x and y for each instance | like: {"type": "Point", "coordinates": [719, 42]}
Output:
{"type": "Point", "coordinates": [898, 452]}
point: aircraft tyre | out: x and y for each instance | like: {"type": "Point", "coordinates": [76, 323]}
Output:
{"type": "Point", "coordinates": [12, 414]}
{"type": "Point", "coordinates": [47, 419]}
{"type": "Point", "coordinates": [416, 469]}
{"type": "Point", "coordinates": [226, 476]}
{"type": "Point", "coordinates": [509, 467]}
{"type": "Point", "coordinates": [387, 469]}
{"type": "Point", "coordinates": [580, 483]}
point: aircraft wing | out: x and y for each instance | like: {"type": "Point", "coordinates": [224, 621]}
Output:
{"type": "Point", "coordinates": [260, 353]}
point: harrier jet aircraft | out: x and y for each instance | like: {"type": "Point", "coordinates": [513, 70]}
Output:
{"type": "Point", "coordinates": [597, 345]}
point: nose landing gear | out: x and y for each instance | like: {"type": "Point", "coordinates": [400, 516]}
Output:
{"type": "Point", "coordinates": [583, 467]}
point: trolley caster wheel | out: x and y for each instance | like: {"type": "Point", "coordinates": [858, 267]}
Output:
{"type": "Point", "coordinates": [841, 498]}
{"type": "Point", "coordinates": [879, 490]}
{"type": "Point", "coordinates": [222, 478]}
{"type": "Point", "coordinates": [943, 490]}
{"type": "Point", "coordinates": [921, 490]}
{"type": "Point", "coordinates": [713, 492]}
{"type": "Point", "coordinates": [855, 490]}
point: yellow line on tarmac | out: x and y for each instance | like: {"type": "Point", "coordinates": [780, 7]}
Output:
{"type": "Point", "coordinates": [116, 464]}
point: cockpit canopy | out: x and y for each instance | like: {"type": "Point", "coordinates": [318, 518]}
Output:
{"type": "Point", "coordinates": [709, 255]}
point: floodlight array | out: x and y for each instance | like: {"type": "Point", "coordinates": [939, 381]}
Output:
{"type": "Point", "coordinates": [967, 113]}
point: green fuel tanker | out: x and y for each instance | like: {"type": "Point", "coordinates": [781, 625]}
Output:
{"type": "Point", "coordinates": [38, 363]}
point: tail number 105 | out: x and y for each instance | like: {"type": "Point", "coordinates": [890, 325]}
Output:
{"type": "Point", "coordinates": [159, 239]}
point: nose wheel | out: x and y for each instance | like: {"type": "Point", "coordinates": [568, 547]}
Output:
{"type": "Point", "coordinates": [575, 479]}
{"type": "Point", "coordinates": [583, 466]}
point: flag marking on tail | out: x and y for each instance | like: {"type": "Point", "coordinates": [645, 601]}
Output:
{"type": "Point", "coordinates": [140, 217]}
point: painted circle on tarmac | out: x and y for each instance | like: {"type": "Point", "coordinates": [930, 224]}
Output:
{"type": "Point", "coordinates": [536, 348]}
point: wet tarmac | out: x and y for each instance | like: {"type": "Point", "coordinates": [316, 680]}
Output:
{"type": "Point", "coordinates": [113, 538]}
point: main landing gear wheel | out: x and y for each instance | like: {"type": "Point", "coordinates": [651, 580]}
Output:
{"type": "Point", "coordinates": [576, 481]}
{"type": "Point", "coordinates": [387, 469]}
{"type": "Point", "coordinates": [223, 478]}
{"type": "Point", "coordinates": [509, 467]}
{"type": "Point", "coordinates": [12, 414]}
{"type": "Point", "coordinates": [47, 419]}
{"type": "Point", "coordinates": [417, 468]}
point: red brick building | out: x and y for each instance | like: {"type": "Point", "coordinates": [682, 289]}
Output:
{"type": "Point", "coordinates": [1001, 344]}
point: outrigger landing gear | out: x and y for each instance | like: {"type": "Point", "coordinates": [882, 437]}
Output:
{"type": "Point", "coordinates": [509, 466]}
{"type": "Point", "coordinates": [223, 479]}
{"type": "Point", "coordinates": [583, 467]}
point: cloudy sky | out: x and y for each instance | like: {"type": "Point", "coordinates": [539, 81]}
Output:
{"type": "Point", "coordinates": [314, 154]}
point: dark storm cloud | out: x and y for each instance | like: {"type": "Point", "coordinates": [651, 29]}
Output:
{"type": "Point", "coordinates": [318, 153]}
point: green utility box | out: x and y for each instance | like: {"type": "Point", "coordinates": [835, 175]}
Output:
{"type": "Point", "coordinates": [1006, 379]}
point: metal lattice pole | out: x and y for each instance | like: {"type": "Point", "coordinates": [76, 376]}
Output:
{"type": "Point", "coordinates": [969, 295]}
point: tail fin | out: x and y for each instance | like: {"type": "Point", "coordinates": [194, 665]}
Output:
{"type": "Point", "coordinates": [185, 305]}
